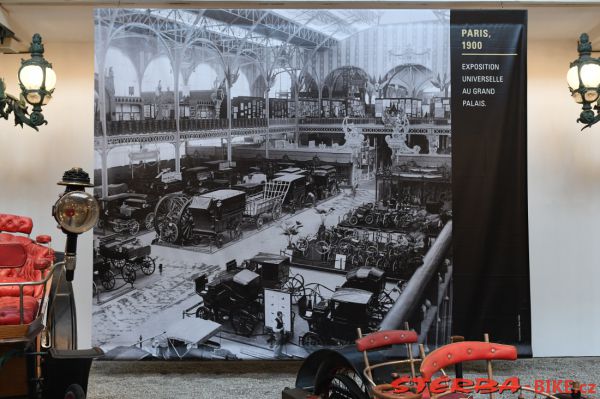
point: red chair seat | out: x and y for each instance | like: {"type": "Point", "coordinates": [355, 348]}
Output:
{"type": "Point", "coordinates": [10, 310]}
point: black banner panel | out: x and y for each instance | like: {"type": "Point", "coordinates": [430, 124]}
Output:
{"type": "Point", "coordinates": [489, 178]}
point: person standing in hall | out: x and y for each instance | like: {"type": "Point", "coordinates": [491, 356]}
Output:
{"type": "Point", "coordinates": [279, 335]}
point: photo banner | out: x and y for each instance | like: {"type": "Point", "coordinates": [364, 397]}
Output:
{"type": "Point", "coordinates": [489, 179]}
{"type": "Point", "coordinates": [272, 180]}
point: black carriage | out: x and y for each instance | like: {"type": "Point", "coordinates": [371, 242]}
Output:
{"type": "Point", "coordinates": [372, 279]}
{"type": "Point", "coordinates": [334, 321]}
{"type": "Point", "coordinates": [190, 220]}
{"type": "Point", "coordinates": [236, 294]}
{"type": "Point", "coordinates": [124, 211]}
{"type": "Point", "coordinates": [127, 255]}
{"type": "Point", "coordinates": [324, 181]}
{"type": "Point", "coordinates": [163, 183]}
{"type": "Point", "coordinates": [196, 180]}
{"type": "Point", "coordinates": [296, 194]}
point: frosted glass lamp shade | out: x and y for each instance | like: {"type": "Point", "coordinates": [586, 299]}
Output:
{"type": "Point", "coordinates": [590, 75]}
{"type": "Point", "coordinates": [573, 78]}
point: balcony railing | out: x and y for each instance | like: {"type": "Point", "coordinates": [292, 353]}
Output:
{"type": "Point", "coordinates": [116, 128]}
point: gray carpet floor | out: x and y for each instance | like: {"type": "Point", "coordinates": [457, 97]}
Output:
{"type": "Point", "coordinates": [258, 380]}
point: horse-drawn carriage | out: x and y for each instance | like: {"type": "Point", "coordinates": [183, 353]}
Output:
{"type": "Point", "coordinates": [266, 204]}
{"type": "Point", "coordinates": [124, 211]}
{"type": "Point", "coordinates": [190, 220]}
{"type": "Point", "coordinates": [237, 294]}
{"type": "Point", "coordinates": [360, 302]}
{"type": "Point", "coordinates": [127, 255]}
{"type": "Point", "coordinates": [324, 181]}
{"type": "Point", "coordinates": [296, 193]}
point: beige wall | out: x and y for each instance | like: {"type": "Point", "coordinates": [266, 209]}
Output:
{"type": "Point", "coordinates": [564, 209]}
{"type": "Point", "coordinates": [32, 162]}
{"type": "Point", "coordinates": [564, 180]}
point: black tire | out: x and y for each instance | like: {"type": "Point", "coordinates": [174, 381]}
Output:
{"type": "Point", "coordinates": [128, 273]}
{"type": "Point", "coordinates": [243, 323]}
{"type": "Point", "coordinates": [148, 266]}
{"type": "Point", "coordinates": [260, 222]}
{"type": "Point", "coordinates": [353, 220]}
{"type": "Point", "coordinates": [311, 339]}
{"type": "Point", "coordinates": [149, 221]}
{"type": "Point", "coordinates": [204, 313]}
{"type": "Point", "coordinates": [342, 386]}
{"type": "Point", "coordinates": [108, 280]}
{"type": "Point", "coordinates": [74, 391]}
{"type": "Point", "coordinates": [118, 263]}
{"type": "Point", "coordinates": [134, 227]}
{"type": "Point", "coordinates": [369, 219]}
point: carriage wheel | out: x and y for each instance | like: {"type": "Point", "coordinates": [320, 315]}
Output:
{"type": "Point", "coordinates": [277, 211]}
{"type": "Point", "coordinates": [242, 322]}
{"type": "Point", "coordinates": [260, 221]}
{"type": "Point", "coordinates": [167, 209]}
{"type": "Point", "coordinates": [185, 222]}
{"type": "Point", "coordinates": [311, 339]}
{"type": "Point", "coordinates": [295, 287]}
{"type": "Point", "coordinates": [204, 313]}
{"type": "Point", "coordinates": [343, 386]}
{"type": "Point", "coordinates": [369, 219]}
{"type": "Point", "coordinates": [149, 221]}
{"type": "Point", "coordinates": [128, 273]}
{"type": "Point", "coordinates": [169, 232]}
{"type": "Point", "coordinates": [322, 247]}
{"type": "Point", "coordinates": [134, 227]}
{"type": "Point", "coordinates": [75, 391]}
{"type": "Point", "coordinates": [118, 263]}
{"type": "Point", "coordinates": [353, 220]}
{"type": "Point", "coordinates": [303, 245]}
{"type": "Point", "coordinates": [148, 265]}
{"type": "Point", "coordinates": [108, 280]}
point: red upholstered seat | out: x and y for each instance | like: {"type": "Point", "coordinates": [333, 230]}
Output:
{"type": "Point", "coordinates": [15, 224]}
{"type": "Point", "coordinates": [21, 260]}
{"type": "Point", "coordinates": [9, 310]}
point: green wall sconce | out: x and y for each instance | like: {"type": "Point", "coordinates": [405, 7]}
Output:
{"type": "Point", "coordinates": [583, 78]}
{"type": "Point", "coordinates": [37, 81]}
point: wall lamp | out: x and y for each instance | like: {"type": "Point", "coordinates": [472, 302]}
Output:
{"type": "Point", "coordinates": [37, 81]}
{"type": "Point", "coordinates": [583, 78]}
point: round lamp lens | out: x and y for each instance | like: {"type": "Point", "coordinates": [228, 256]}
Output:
{"type": "Point", "coordinates": [33, 98]}
{"type": "Point", "coordinates": [76, 212]}
{"type": "Point", "coordinates": [577, 97]}
{"type": "Point", "coordinates": [31, 77]}
{"type": "Point", "coordinates": [50, 79]}
{"type": "Point", "coordinates": [590, 96]}
{"type": "Point", "coordinates": [590, 75]}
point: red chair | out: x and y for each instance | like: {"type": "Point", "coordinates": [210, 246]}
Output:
{"type": "Point", "coordinates": [381, 339]}
{"type": "Point", "coordinates": [23, 270]}
{"type": "Point", "coordinates": [453, 354]}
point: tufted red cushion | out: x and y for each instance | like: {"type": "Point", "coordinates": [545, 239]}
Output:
{"type": "Point", "coordinates": [15, 223]}
{"type": "Point", "coordinates": [9, 310]}
{"type": "Point", "coordinates": [459, 352]}
{"type": "Point", "coordinates": [381, 339]}
{"type": "Point", "coordinates": [43, 239]}
{"type": "Point", "coordinates": [12, 255]}
{"type": "Point", "coordinates": [39, 257]}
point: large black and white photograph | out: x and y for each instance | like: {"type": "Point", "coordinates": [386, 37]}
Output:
{"type": "Point", "coordinates": [271, 181]}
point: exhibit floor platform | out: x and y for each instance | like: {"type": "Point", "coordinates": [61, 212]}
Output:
{"type": "Point", "coordinates": [261, 380]}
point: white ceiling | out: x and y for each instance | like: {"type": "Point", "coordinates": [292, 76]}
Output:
{"type": "Point", "coordinates": [74, 23]}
